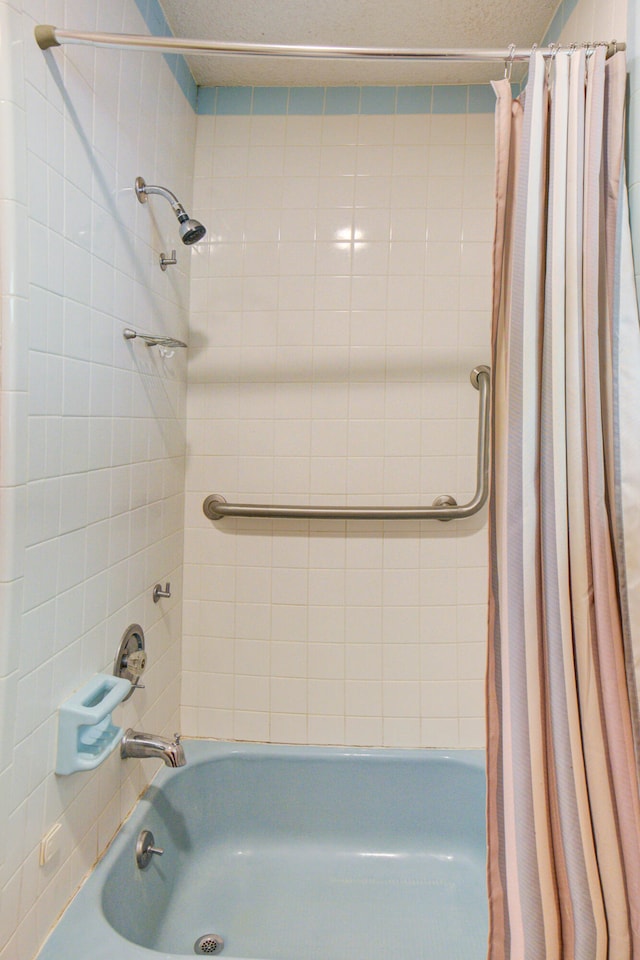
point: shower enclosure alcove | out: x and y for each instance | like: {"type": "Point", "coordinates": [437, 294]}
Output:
{"type": "Point", "coordinates": [333, 313]}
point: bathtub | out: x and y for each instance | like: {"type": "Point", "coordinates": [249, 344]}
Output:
{"type": "Point", "coordinates": [294, 853]}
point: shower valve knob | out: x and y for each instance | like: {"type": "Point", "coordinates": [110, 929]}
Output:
{"type": "Point", "coordinates": [136, 662]}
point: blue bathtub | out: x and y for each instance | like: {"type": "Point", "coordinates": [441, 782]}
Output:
{"type": "Point", "coordinates": [294, 853]}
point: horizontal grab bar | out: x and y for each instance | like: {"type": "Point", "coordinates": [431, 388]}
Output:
{"type": "Point", "coordinates": [443, 508]}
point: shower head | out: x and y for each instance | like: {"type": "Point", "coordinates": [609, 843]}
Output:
{"type": "Point", "coordinates": [190, 230]}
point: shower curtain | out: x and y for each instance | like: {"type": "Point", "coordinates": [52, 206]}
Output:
{"type": "Point", "coordinates": [563, 802]}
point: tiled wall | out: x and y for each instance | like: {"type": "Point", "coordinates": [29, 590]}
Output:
{"type": "Point", "coordinates": [338, 307]}
{"type": "Point", "coordinates": [579, 20]}
{"type": "Point", "coordinates": [92, 428]}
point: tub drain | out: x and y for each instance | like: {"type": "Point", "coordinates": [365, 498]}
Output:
{"type": "Point", "coordinates": [209, 944]}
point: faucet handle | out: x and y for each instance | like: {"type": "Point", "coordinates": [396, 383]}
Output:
{"type": "Point", "coordinates": [136, 662]}
{"type": "Point", "coordinates": [176, 738]}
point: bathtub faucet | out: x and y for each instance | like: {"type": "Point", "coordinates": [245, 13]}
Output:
{"type": "Point", "coordinates": [135, 744]}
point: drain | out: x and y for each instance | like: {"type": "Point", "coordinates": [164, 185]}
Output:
{"type": "Point", "coordinates": [209, 944]}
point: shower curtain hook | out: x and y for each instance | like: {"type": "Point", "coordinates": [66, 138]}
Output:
{"type": "Point", "coordinates": [508, 63]}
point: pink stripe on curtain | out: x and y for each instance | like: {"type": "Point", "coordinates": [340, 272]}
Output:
{"type": "Point", "coordinates": [563, 809]}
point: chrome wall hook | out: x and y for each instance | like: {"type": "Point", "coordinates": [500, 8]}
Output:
{"type": "Point", "coordinates": [159, 592]}
{"type": "Point", "coordinates": [167, 261]}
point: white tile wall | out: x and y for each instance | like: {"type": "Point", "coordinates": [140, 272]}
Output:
{"type": "Point", "coordinates": [92, 429]}
{"type": "Point", "coordinates": [592, 20]}
{"type": "Point", "coordinates": [337, 310]}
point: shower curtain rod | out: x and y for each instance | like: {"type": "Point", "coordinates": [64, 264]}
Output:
{"type": "Point", "coordinates": [49, 36]}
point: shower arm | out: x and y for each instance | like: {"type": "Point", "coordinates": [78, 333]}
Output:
{"type": "Point", "coordinates": [144, 189]}
{"type": "Point", "coordinates": [49, 36]}
{"type": "Point", "coordinates": [444, 507]}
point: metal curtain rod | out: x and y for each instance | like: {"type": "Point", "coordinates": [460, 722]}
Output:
{"type": "Point", "coordinates": [49, 36]}
{"type": "Point", "coordinates": [443, 508]}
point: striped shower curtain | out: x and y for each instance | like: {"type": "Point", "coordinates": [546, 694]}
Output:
{"type": "Point", "coordinates": [564, 630]}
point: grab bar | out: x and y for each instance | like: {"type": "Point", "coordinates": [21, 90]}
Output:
{"type": "Point", "coordinates": [444, 507]}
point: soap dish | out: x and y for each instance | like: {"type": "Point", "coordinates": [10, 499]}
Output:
{"type": "Point", "coordinates": [86, 733]}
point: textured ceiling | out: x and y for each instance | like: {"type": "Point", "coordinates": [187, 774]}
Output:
{"type": "Point", "coordinates": [351, 23]}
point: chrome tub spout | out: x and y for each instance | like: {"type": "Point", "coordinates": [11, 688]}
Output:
{"type": "Point", "coordinates": [136, 744]}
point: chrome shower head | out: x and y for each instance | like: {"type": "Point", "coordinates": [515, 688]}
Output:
{"type": "Point", "coordinates": [190, 230]}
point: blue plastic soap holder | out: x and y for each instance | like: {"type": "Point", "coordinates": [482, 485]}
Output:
{"type": "Point", "coordinates": [86, 733]}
